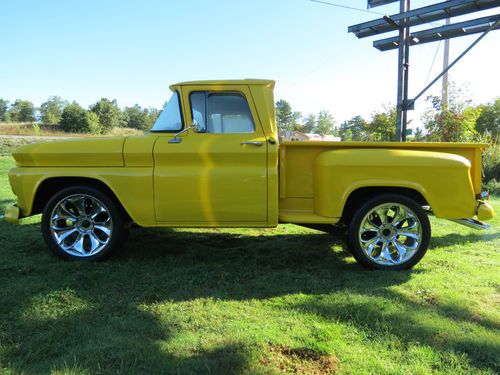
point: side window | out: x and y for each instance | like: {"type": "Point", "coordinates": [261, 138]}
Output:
{"type": "Point", "coordinates": [222, 112]}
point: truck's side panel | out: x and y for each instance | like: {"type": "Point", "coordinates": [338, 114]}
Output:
{"type": "Point", "coordinates": [304, 192]}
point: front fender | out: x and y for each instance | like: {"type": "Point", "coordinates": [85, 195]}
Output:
{"type": "Point", "coordinates": [133, 187]}
{"type": "Point", "coordinates": [443, 179]}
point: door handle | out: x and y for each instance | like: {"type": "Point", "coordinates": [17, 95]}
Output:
{"type": "Point", "coordinates": [253, 143]}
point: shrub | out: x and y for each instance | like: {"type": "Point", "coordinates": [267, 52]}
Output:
{"type": "Point", "coordinates": [492, 163]}
{"type": "Point", "coordinates": [493, 187]}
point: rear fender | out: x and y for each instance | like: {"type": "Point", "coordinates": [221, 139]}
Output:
{"type": "Point", "coordinates": [443, 179]}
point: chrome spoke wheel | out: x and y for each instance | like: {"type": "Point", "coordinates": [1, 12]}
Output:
{"type": "Point", "coordinates": [81, 225]}
{"type": "Point", "coordinates": [390, 234]}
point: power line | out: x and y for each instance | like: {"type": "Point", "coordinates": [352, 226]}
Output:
{"type": "Point", "coordinates": [346, 7]}
{"type": "Point", "coordinates": [433, 61]}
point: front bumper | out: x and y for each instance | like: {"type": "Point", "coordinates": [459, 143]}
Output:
{"type": "Point", "coordinates": [12, 214]}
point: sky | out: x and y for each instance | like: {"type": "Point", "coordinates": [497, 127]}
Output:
{"type": "Point", "coordinates": [132, 50]}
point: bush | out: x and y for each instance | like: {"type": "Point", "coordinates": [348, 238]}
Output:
{"type": "Point", "coordinates": [493, 187]}
{"type": "Point", "coordinates": [492, 163]}
{"type": "Point", "coordinates": [75, 119]}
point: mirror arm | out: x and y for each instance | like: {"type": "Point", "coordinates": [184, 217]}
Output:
{"type": "Point", "coordinates": [176, 138]}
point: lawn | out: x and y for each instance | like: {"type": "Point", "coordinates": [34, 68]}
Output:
{"type": "Point", "coordinates": [247, 301]}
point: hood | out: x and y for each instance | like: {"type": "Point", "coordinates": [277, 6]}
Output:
{"type": "Point", "coordinates": [91, 152]}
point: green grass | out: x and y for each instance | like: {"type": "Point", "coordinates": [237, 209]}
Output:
{"type": "Point", "coordinates": [247, 301]}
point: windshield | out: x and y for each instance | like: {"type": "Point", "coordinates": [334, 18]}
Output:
{"type": "Point", "coordinates": [169, 119]}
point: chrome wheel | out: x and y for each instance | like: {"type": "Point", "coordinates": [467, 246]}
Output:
{"type": "Point", "coordinates": [390, 234]}
{"type": "Point", "coordinates": [81, 225]}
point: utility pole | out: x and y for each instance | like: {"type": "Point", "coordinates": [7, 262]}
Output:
{"type": "Point", "coordinates": [403, 67]}
{"type": "Point", "coordinates": [446, 61]}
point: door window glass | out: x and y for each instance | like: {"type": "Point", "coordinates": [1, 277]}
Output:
{"type": "Point", "coordinates": [222, 112]}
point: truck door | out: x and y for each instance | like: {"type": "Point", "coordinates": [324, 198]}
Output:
{"type": "Point", "coordinates": [217, 176]}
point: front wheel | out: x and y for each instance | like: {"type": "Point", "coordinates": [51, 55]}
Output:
{"type": "Point", "coordinates": [82, 223]}
{"type": "Point", "coordinates": [389, 232]}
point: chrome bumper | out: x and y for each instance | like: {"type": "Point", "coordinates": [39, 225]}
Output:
{"type": "Point", "coordinates": [484, 211]}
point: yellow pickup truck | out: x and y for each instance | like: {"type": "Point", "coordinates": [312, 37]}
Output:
{"type": "Point", "coordinates": [213, 159]}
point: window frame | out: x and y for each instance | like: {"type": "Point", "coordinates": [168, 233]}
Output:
{"type": "Point", "coordinates": [223, 92]}
{"type": "Point", "coordinates": [179, 98]}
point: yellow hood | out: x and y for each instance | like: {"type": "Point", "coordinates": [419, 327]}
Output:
{"type": "Point", "coordinates": [92, 152]}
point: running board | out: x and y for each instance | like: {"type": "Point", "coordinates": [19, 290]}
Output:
{"type": "Point", "coordinates": [472, 223]}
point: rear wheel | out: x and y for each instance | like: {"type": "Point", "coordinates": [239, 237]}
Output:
{"type": "Point", "coordinates": [389, 232]}
{"type": "Point", "coordinates": [82, 223]}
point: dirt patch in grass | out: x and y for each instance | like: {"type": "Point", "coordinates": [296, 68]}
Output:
{"type": "Point", "coordinates": [300, 361]}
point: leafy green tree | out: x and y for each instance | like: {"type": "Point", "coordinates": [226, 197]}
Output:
{"type": "Point", "coordinates": [152, 115]}
{"type": "Point", "coordinates": [353, 129]}
{"type": "Point", "coordinates": [109, 114]}
{"type": "Point", "coordinates": [454, 122]}
{"type": "Point", "coordinates": [22, 111]}
{"type": "Point", "coordinates": [51, 110]}
{"type": "Point", "coordinates": [286, 118]}
{"type": "Point", "coordinates": [75, 119]}
{"type": "Point", "coordinates": [309, 125]}
{"type": "Point", "coordinates": [4, 107]}
{"type": "Point", "coordinates": [140, 118]}
{"type": "Point", "coordinates": [419, 135]}
{"type": "Point", "coordinates": [326, 123]}
{"type": "Point", "coordinates": [346, 135]}
{"type": "Point", "coordinates": [135, 117]}
{"type": "Point", "coordinates": [382, 126]}
{"type": "Point", "coordinates": [488, 122]}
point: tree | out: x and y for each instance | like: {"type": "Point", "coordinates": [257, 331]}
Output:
{"type": "Point", "coordinates": [75, 119]}
{"type": "Point", "coordinates": [286, 118]}
{"type": "Point", "coordinates": [4, 107]}
{"type": "Point", "coordinates": [152, 115]}
{"type": "Point", "coordinates": [488, 122]}
{"type": "Point", "coordinates": [454, 122]}
{"type": "Point", "coordinates": [353, 129]}
{"type": "Point", "coordinates": [310, 123]}
{"type": "Point", "coordinates": [22, 111]}
{"type": "Point", "coordinates": [382, 126]}
{"type": "Point", "coordinates": [51, 110]}
{"type": "Point", "coordinates": [108, 113]}
{"type": "Point", "coordinates": [326, 123]}
{"type": "Point", "coordinates": [135, 117]}
{"type": "Point", "coordinates": [419, 135]}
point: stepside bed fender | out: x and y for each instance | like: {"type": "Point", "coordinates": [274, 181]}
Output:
{"type": "Point", "coordinates": [443, 179]}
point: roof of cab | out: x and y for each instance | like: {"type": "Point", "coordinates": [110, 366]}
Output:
{"type": "Point", "coordinates": [260, 82]}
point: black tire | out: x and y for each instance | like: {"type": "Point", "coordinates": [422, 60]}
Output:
{"type": "Point", "coordinates": [375, 228]}
{"type": "Point", "coordinates": [87, 232]}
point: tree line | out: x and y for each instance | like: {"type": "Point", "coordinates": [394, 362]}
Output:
{"type": "Point", "coordinates": [99, 118]}
{"type": "Point", "coordinates": [456, 121]}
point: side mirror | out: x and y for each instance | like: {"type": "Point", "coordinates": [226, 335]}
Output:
{"type": "Point", "coordinates": [194, 125]}
{"type": "Point", "coordinates": [197, 127]}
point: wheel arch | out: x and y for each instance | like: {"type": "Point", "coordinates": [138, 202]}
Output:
{"type": "Point", "coordinates": [50, 186]}
{"type": "Point", "coordinates": [361, 195]}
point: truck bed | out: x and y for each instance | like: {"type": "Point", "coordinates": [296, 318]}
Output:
{"type": "Point", "coordinates": [296, 171]}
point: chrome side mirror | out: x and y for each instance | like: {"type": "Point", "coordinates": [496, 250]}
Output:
{"type": "Point", "coordinates": [176, 138]}
{"type": "Point", "coordinates": [196, 128]}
